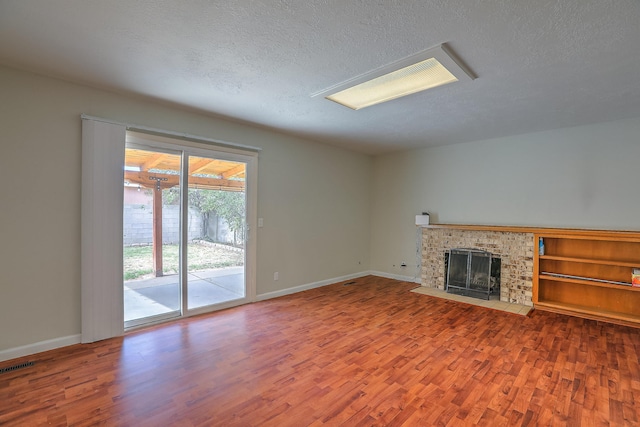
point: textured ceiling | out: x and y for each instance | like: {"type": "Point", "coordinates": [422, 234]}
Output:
{"type": "Point", "coordinates": [541, 64]}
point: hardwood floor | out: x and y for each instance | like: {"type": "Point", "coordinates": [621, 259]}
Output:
{"type": "Point", "coordinates": [371, 353]}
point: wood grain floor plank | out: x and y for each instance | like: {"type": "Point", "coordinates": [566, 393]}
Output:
{"type": "Point", "coordinates": [371, 353]}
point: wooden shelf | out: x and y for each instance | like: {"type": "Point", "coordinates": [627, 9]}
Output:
{"type": "Point", "coordinates": [589, 313]}
{"type": "Point", "coordinates": [588, 274]}
{"type": "Point", "coordinates": [587, 282]}
{"type": "Point", "coordinates": [591, 261]}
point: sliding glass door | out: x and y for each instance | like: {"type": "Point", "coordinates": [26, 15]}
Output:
{"type": "Point", "coordinates": [217, 217]}
{"type": "Point", "coordinates": [185, 231]}
{"type": "Point", "coordinates": [151, 235]}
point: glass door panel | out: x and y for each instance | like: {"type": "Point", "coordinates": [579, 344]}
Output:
{"type": "Point", "coordinates": [151, 236]}
{"type": "Point", "coordinates": [216, 224]}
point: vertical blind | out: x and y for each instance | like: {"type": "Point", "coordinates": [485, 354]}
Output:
{"type": "Point", "coordinates": [101, 229]}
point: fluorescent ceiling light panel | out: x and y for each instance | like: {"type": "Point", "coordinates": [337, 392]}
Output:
{"type": "Point", "coordinates": [414, 78]}
{"type": "Point", "coordinates": [431, 68]}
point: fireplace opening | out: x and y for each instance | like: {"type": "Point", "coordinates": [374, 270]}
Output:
{"type": "Point", "coordinates": [473, 273]}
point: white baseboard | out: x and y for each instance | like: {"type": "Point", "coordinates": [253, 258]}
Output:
{"type": "Point", "coordinates": [396, 276]}
{"type": "Point", "coordinates": [295, 289]}
{"type": "Point", "coordinates": [27, 350]}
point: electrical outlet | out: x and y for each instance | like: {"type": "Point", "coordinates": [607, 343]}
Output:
{"type": "Point", "coordinates": [276, 276]}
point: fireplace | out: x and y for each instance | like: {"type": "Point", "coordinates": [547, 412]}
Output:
{"type": "Point", "coordinates": [514, 247]}
{"type": "Point", "coordinates": [472, 272]}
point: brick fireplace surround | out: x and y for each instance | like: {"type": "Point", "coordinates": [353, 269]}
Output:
{"type": "Point", "coordinates": [515, 249]}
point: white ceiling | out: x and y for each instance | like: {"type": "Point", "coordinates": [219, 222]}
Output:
{"type": "Point", "coordinates": [541, 64]}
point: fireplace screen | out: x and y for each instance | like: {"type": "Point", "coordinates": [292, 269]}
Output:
{"type": "Point", "coordinates": [473, 273]}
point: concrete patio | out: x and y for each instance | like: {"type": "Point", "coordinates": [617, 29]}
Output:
{"type": "Point", "coordinates": [161, 295]}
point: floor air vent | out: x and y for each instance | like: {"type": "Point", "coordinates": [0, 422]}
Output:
{"type": "Point", "coordinates": [15, 367]}
{"type": "Point", "coordinates": [349, 283]}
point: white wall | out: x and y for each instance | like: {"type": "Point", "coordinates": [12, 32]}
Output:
{"type": "Point", "coordinates": [314, 198]}
{"type": "Point", "coordinates": [582, 177]}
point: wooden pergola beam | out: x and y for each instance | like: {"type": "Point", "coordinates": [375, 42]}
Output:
{"type": "Point", "coordinates": [230, 173]}
{"type": "Point", "coordinates": [152, 161]}
{"type": "Point", "coordinates": [199, 165]}
{"type": "Point", "coordinates": [148, 180]}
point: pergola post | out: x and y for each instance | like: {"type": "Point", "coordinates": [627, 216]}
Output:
{"type": "Point", "coordinates": [157, 231]}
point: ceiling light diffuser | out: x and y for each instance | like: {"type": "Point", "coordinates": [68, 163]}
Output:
{"type": "Point", "coordinates": [428, 69]}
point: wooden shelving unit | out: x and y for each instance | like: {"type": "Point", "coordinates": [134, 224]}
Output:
{"type": "Point", "coordinates": [587, 273]}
